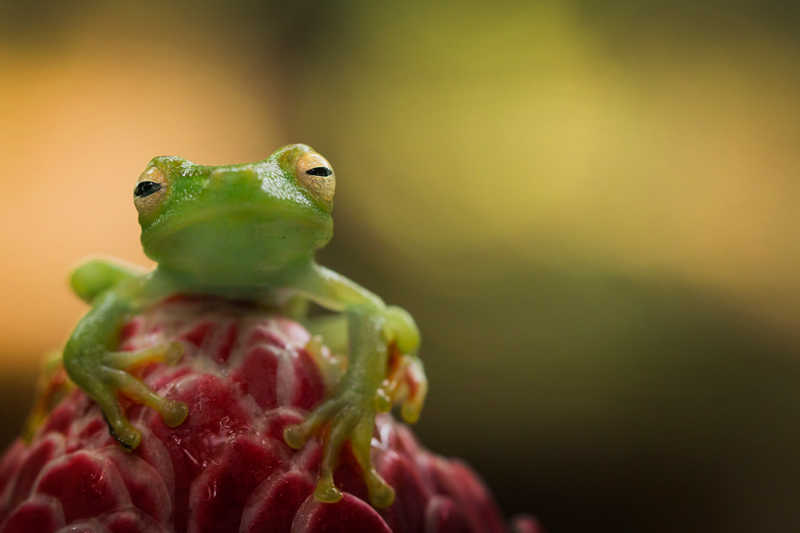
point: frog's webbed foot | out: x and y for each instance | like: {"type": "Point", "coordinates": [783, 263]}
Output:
{"type": "Point", "coordinates": [113, 376]}
{"type": "Point", "coordinates": [350, 415]}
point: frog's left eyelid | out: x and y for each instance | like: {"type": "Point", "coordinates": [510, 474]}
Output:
{"type": "Point", "coordinates": [319, 171]}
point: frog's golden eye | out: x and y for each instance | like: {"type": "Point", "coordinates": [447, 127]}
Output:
{"type": "Point", "coordinates": [316, 175]}
{"type": "Point", "coordinates": [149, 190]}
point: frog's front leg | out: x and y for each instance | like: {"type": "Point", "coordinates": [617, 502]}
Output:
{"type": "Point", "coordinates": [351, 410]}
{"type": "Point", "coordinates": [95, 276]}
{"type": "Point", "coordinates": [372, 328]}
{"type": "Point", "coordinates": [405, 383]}
{"type": "Point", "coordinates": [92, 363]}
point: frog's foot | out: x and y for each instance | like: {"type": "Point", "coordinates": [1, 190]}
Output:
{"type": "Point", "coordinates": [113, 377]}
{"type": "Point", "coordinates": [117, 369]}
{"type": "Point", "coordinates": [348, 416]}
{"type": "Point", "coordinates": [172, 412]}
{"type": "Point", "coordinates": [114, 381]}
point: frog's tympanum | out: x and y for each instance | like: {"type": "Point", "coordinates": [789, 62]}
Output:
{"type": "Point", "coordinates": [246, 232]}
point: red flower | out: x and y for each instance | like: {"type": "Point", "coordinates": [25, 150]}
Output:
{"type": "Point", "coordinates": [245, 376]}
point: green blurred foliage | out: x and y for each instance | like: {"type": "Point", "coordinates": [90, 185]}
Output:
{"type": "Point", "coordinates": [590, 210]}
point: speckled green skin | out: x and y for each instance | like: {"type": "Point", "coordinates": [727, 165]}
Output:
{"type": "Point", "coordinates": [243, 231]}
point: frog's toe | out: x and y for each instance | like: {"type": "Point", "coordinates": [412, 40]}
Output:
{"type": "Point", "coordinates": [411, 408]}
{"type": "Point", "coordinates": [124, 433]}
{"type": "Point", "coordinates": [406, 385]}
{"type": "Point", "coordinates": [296, 436]}
{"type": "Point", "coordinates": [326, 491]}
{"type": "Point", "coordinates": [172, 412]}
{"type": "Point", "coordinates": [381, 494]}
{"type": "Point", "coordinates": [347, 417]}
{"type": "Point", "coordinates": [169, 353]}
{"type": "Point", "coordinates": [173, 353]}
{"type": "Point", "coordinates": [128, 436]}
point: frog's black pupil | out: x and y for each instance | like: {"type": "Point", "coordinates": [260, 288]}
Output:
{"type": "Point", "coordinates": [319, 171]}
{"type": "Point", "coordinates": [146, 188]}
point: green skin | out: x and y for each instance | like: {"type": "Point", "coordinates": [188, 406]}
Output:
{"type": "Point", "coordinates": [244, 231]}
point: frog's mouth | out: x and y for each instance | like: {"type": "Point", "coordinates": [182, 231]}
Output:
{"type": "Point", "coordinates": [226, 240]}
{"type": "Point", "coordinates": [166, 225]}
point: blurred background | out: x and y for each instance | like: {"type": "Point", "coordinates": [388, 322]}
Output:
{"type": "Point", "coordinates": [592, 212]}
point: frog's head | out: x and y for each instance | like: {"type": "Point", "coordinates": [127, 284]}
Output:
{"type": "Point", "coordinates": [236, 224]}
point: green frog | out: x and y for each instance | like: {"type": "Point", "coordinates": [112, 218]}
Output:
{"type": "Point", "coordinates": [246, 231]}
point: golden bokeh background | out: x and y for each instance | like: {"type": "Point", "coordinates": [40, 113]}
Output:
{"type": "Point", "coordinates": [591, 211]}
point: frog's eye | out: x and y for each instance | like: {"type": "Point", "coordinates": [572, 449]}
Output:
{"type": "Point", "coordinates": [319, 171]}
{"type": "Point", "coordinates": [149, 190]}
{"type": "Point", "coordinates": [146, 188]}
{"type": "Point", "coordinates": [316, 175]}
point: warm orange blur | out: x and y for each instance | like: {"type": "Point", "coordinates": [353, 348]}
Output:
{"type": "Point", "coordinates": [81, 122]}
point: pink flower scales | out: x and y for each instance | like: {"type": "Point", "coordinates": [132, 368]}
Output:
{"type": "Point", "coordinates": [245, 375]}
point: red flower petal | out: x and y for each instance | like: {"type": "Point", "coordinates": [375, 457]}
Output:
{"type": "Point", "coordinates": [348, 515]}
{"type": "Point", "coordinates": [85, 482]}
{"type": "Point", "coordinates": [274, 504]}
{"type": "Point", "coordinates": [245, 377]}
{"type": "Point", "coordinates": [40, 514]}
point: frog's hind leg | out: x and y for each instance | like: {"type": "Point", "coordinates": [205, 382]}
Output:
{"type": "Point", "coordinates": [349, 415]}
{"type": "Point", "coordinates": [52, 386]}
{"type": "Point", "coordinates": [102, 373]}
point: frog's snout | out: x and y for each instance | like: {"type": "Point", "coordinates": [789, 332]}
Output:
{"type": "Point", "coordinates": [239, 177]}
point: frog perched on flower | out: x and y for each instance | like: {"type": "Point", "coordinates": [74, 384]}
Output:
{"type": "Point", "coordinates": [247, 232]}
